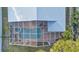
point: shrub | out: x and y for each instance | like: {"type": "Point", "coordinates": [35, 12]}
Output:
{"type": "Point", "coordinates": [65, 46]}
{"type": "Point", "coordinates": [67, 34]}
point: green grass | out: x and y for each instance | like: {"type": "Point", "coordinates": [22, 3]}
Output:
{"type": "Point", "coordinates": [15, 48]}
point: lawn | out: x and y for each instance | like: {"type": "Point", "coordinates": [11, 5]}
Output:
{"type": "Point", "coordinates": [15, 48]}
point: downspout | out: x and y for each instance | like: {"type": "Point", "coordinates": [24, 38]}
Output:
{"type": "Point", "coordinates": [0, 29]}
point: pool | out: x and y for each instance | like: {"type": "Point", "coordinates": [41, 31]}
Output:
{"type": "Point", "coordinates": [26, 33]}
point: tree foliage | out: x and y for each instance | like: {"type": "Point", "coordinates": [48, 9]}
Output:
{"type": "Point", "coordinates": [74, 24]}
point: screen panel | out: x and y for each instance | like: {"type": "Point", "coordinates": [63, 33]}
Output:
{"type": "Point", "coordinates": [0, 29]}
{"type": "Point", "coordinates": [51, 13]}
{"type": "Point", "coordinates": [21, 14]}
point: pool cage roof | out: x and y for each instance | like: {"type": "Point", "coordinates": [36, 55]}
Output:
{"type": "Point", "coordinates": [36, 14]}
{"type": "Point", "coordinates": [33, 26]}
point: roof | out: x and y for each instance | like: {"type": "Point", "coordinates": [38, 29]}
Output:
{"type": "Point", "coordinates": [36, 13]}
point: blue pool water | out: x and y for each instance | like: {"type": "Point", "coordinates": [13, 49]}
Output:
{"type": "Point", "coordinates": [29, 33]}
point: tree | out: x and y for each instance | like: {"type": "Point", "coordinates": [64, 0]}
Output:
{"type": "Point", "coordinates": [75, 18]}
